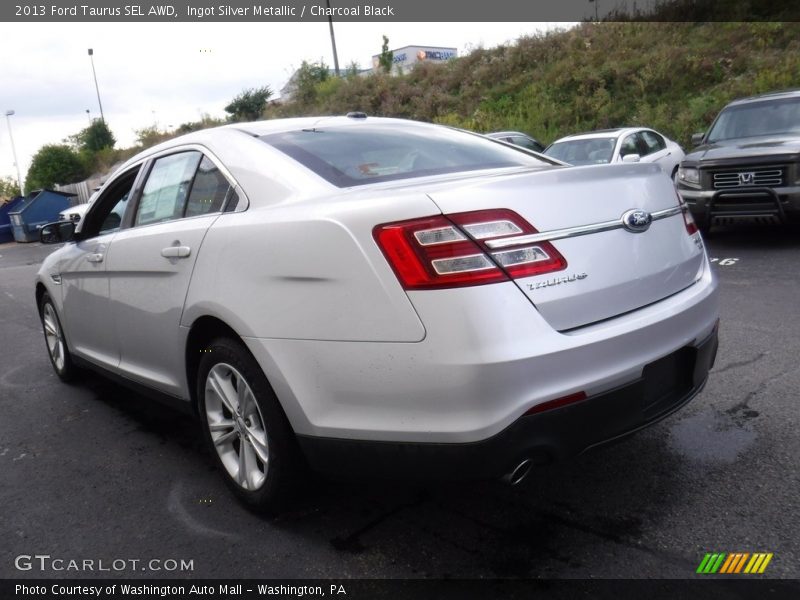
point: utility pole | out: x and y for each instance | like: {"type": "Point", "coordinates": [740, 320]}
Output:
{"type": "Point", "coordinates": [333, 40]}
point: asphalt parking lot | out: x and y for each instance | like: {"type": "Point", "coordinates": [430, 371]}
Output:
{"type": "Point", "coordinates": [93, 471]}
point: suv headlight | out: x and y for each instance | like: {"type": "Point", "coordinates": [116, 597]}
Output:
{"type": "Point", "coordinates": [689, 176]}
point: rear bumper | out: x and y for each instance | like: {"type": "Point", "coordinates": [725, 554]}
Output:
{"type": "Point", "coordinates": [665, 386]}
{"type": "Point", "coordinates": [477, 370]}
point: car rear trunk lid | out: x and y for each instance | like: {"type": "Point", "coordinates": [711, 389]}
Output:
{"type": "Point", "coordinates": [611, 269]}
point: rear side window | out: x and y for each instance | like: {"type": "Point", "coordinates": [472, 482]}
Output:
{"type": "Point", "coordinates": [208, 190]}
{"type": "Point", "coordinates": [166, 189]}
{"type": "Point", "coordinates": [350, 156]}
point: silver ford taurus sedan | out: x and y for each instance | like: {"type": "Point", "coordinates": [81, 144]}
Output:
{"type": "Point", "coordinates": [383, 297]}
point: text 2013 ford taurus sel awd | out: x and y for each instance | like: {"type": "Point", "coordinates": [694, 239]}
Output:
{"type": "Point", "coordinates": [373, 295]}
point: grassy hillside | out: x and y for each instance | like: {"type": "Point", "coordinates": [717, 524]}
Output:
{"type": "Point", "coordinates": [670, 76]}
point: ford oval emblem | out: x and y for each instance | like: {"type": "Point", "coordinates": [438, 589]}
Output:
{"type": "Point", "coordinates": [637, 220]}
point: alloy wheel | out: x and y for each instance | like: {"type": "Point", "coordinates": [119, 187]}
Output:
{"type": "Point", "coordinates": [236, 426]}
{"type": "Point", "coordinates": [53, 336]}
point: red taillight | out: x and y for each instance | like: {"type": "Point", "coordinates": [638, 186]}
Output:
{"type": "Point", "coordinates": [450, 251]}
{"type": "Point", "coordinates": [688, 220]}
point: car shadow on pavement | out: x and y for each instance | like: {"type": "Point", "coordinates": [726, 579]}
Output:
{"type": "Point", "coordinates": [165, 423]}
{"type": "Point", "coordinates": [487, 528]}
{"type": "Point", "coordinates": [608, 496]}
{"type": "Point", "coordinates": [754, 236]}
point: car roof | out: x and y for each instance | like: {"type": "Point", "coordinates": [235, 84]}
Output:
{"type": "Point", "coordinates": [601, 133]}
{"type": "Point", "coordinates": [506, 133]}
{"type": "Point", "coordinates": [794, 93]}
{"type": "Point", "coordinates": [605, 133]}
{"type": "Point", "coordinates": [269, 126]}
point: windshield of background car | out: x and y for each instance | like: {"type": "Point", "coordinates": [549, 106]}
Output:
{"type": "Point", "coordinates": [766, 117]}
{"type": "Point", "coordinates": [593, 151]}
{"type": "Point", "coordinates": [350, 156]}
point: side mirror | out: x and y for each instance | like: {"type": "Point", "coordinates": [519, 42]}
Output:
{"type": "Point", "coordinates": [631, 158]}
{"type": "Point", "coordinates": [58, 232]}
{"type": "Point", "coordinates": [697, 138]}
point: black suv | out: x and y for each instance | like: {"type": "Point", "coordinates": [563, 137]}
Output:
{"type": "Point", "coordinates": [748, 163]}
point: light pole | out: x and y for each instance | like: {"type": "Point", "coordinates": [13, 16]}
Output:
{"type": "Point", "coordinates": [14, 152]}
{"type": "Point", "coordinates": [89, 115]}
{"type": "Point", "coordinates": [333, 40]}
{"type": "Point", "coordinates": [91, 58]}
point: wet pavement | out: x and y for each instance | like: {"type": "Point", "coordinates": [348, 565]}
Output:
{"type": "Point", "coordinates": [95, 471]}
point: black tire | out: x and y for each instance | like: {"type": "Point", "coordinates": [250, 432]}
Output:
{"type": "Point", "coordinates": [283, 470]}
{"type": "Point", "coordinates": [56, 341]}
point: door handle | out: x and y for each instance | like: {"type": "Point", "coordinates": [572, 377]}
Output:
{"type": "Point", "coordinates": [97, 257]}
{"type": "Point", "coordinates": [176, 251]}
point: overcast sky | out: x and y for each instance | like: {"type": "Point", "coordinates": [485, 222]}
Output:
{"type": "Point", "coordinates": [171, 73]}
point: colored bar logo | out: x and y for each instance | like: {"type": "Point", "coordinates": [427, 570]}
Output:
{"type": "Point", "coordinates": [734, 562]}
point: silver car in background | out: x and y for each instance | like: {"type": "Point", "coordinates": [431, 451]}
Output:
{"type": "Point", "coordinates": [383, 297]}
{"type": "Point", "coordinates": [629, 144]}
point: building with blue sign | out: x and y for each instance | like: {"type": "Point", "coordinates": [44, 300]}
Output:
{"type": "Point", "coordinates": [403, 60]}
{"type": "Point", "coordinates": [406, 57]}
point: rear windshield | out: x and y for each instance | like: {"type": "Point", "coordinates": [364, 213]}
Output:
{"type": "Point", "coordinates": [773, 117]}
{"type": "Point", "coordinates": [362, 154]}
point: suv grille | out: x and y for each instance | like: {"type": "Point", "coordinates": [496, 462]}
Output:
{"type": "Point", "coordinates": [745, 177]}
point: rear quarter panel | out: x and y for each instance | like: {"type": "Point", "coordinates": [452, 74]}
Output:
{"type": "Point", "coordinates": [307, 270]}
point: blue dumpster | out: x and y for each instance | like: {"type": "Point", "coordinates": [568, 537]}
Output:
{"type": "Point", "coordinates": [6, 235]}
{"type": "Point", "coordinates": [40, 207]}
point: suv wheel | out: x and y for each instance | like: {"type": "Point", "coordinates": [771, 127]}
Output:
{"type": "Point", "coordinates": [251, 439]}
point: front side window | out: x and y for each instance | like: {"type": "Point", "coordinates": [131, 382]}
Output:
{"type": "Point", "coordinates": [167, 187]}
{"type": "Point", "coordinates": [653, 141]}
{"type": "Point", "coordinates": [106, 211]}
{"type": "Point", "coordinates": [629, 145]}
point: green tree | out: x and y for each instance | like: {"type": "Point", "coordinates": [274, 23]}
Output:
{"type": "Point", "coordinates": [205, 122]}
{"type": "Point", "coordinates": [150, 136]}
{"type": "Point", "coordinates": [249, 104]}
{"type": "Point", "coordinates": [386, 57]}
{"type": "Point", "coordinates": [352, 70]}
{"type": "Point", "coordinates": [8, 188]}
{"type": "Point", "coordinates": [308, 78]}
{"type": "Point", "coordinates": [96, 137]}
{"type": "Point", "coordinates": [55, 164]}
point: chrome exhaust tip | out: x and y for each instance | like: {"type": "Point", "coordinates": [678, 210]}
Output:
{"type": "Point", "coordinates": [518, 473]}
